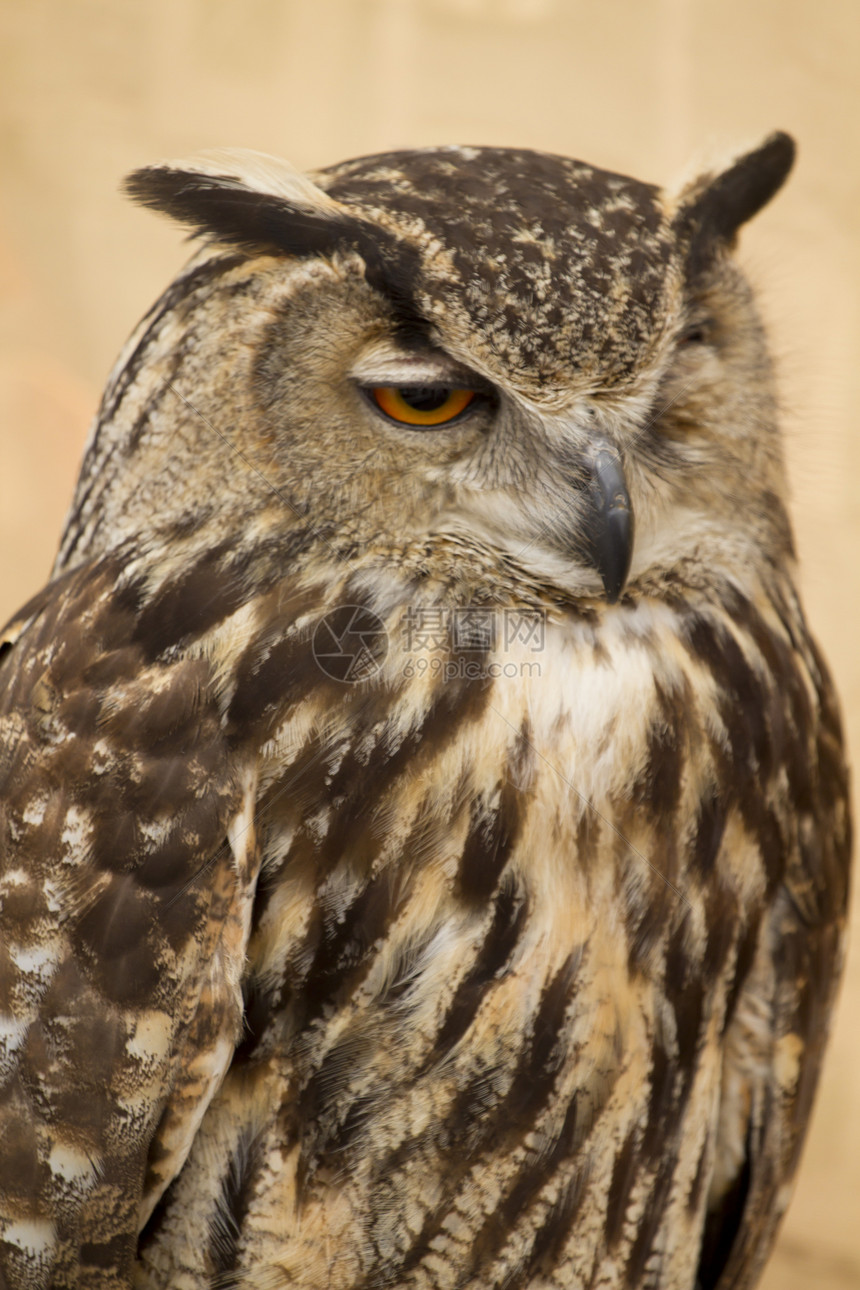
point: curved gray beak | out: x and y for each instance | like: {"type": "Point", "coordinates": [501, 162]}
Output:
{"type": "Point", "coordinates": [610, 522]}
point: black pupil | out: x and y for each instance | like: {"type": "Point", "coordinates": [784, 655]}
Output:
{"type": "Point", "coordinates": [424, 398]}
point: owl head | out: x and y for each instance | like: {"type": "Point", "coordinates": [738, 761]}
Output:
{"type": "Point", "coordinates": [556, 369]}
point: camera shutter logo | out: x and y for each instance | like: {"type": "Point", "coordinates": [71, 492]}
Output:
{"type": "Point", "coordinates": [350, 644]}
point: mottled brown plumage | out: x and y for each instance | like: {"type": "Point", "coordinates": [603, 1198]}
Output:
{"type": "Point", "coordinates": [423, 852]}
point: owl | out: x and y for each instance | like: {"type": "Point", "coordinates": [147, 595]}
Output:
{"type": "Point", "coordinates": [424, 819]}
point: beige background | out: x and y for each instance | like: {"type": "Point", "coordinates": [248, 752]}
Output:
{"type": "Point", "coordinates": [90, 89]}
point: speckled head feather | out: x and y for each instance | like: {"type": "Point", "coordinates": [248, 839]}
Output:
{"type": "Point", "coordinates": [557, 266]}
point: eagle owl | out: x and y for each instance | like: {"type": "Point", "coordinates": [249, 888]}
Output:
{"type": "Point", "coordinates": [424, 820]}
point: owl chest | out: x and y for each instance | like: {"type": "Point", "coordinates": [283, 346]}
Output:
{"type": "Point", "coordinates": [519, 834]}
{"type": "Point", "coordinates": [460, 972]}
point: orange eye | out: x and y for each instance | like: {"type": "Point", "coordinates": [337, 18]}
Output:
{"type": "Point", "coordinates": [421, 405]}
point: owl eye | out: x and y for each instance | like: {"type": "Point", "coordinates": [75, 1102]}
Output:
{"type": "Point", "coordinates": [697, 333]}
{"type": "Point", "coordinates": [421, 405]}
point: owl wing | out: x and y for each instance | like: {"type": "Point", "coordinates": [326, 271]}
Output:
{"type": "Point", "coordinates": [127, 865]}
{"type": "Point", "coordinates": [775, 1043]}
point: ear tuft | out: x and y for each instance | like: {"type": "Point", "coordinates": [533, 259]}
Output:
{"type": "Point", "coordinates": [714, 207]}
{"type": "Point", "coordinates": [263, 206]}
{"type": "Point", "coordinates": [245, 198]}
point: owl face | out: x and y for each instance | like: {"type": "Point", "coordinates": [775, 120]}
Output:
{"type": "Point", "coordinates": [412, 438]}
{"type": "Point", "coordinates": [562, 366]}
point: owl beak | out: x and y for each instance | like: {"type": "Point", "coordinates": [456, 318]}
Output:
{"type": "Point", "coordinates": [610, 521]}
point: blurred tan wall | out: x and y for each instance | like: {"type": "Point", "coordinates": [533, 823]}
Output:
{"type": "Point", "coordinates": [90, 89]}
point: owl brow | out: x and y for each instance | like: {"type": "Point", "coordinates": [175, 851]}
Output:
{"type": "Point", "coordinates": [391, 366]}
{"type": "Point", "coordinates": [587, 802]}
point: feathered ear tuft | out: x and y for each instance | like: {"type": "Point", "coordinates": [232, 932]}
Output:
{"type": "Point", "coordinates": [262, 205]}
{"type": "Point", "coordinates": [247, 199]}
{"type": "Point", "coordinates": [712, 209]}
